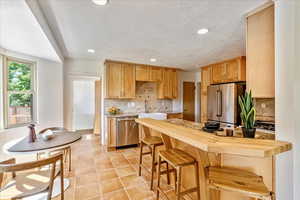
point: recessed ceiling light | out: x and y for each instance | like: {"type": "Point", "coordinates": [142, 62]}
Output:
{"type": "Point", "coordinates": [100, 2]}
{"type": "Point", "coordinates": [202, 31]}
{"type": "Point", "coordinates": [91, 50]}
{"type": "Point", "coordinates": [152, 59]}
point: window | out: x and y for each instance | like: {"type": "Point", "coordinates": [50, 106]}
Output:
{"type": "Point", "coordinates": [19, 92]}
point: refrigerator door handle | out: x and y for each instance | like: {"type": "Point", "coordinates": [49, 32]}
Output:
{"type": "Point", "coordinates": [219, 103]}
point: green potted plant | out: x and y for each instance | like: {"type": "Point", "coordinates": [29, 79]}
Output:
{"type": "Point", "coordinates": [248, 113]}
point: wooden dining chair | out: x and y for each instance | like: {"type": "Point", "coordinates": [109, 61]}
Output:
{"type": "Point", "coordinates": [67, 153]}
{"type": "Point", "coordinates": [18, 181]}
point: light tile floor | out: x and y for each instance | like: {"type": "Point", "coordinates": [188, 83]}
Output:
{"type": "Point", "coordinates": [100, 175]}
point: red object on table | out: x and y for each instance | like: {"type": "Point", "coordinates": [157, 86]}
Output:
{"type": "Point", "coordinates": [32, 134]}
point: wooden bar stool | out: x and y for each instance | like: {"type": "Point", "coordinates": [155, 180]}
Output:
{"type": "Point", "coordinates": [152, 142]}
{"type": "Point", "coordinates": [177, 159]}
{"type": "Point", "coordinates": [218, 178]}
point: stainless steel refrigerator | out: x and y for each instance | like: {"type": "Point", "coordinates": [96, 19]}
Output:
{"type": "Point", "coordinates": [222, 103]}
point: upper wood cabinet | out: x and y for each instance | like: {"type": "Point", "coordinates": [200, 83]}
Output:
{"type": "Point", "coordinates": [128, 81]}
{"type": "Point", "coordinates": [120, 80]}
{"type": "Point", "coordinates": [233, 70]}
{"type": "Point", "coordinates": [142, 73]}
{"type": "Point", "coordinates": [155, 74]}
{"type": "Point", "coordinates": [206, 77]}
{"type": "Point", "coordinates": [168, 87]}
{"type": "Point", "coordinates": [261, 53]}
{"type": "Point", "coordinates": [148, 73]}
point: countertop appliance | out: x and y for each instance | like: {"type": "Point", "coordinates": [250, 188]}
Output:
{"type": "Point", "coordinates": [127, 132]}
{"type": "Point", "coordinates": [222, 103]}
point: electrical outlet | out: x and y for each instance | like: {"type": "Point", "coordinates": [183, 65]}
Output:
{"type": "Point", "coordinates": [263, 105]}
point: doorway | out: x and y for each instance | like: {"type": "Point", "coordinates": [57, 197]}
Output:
{"type": "Point", "coordinates": [189, 101]}
{"type": "Point", "coordinates": [83, 105]}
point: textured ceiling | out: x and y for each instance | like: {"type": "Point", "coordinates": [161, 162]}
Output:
{"type": "Point", "coordinates": [20, 32]}
{"type": "Point", "coordinates": [137, 30]}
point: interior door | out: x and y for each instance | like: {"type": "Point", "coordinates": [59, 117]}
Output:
{"type": "Point", "coordinates": [189, 101]}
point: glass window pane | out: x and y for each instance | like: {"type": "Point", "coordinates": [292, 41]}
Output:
{"type": "Point", "coordinates": [19, 76]}
{"type": "Point", "coordinates": [19, 109]}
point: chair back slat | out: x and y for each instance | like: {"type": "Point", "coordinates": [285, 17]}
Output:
{"type": "Point", "coordinates": [30, 165]}
{"type": "Point", "coordinates": [167, 141]}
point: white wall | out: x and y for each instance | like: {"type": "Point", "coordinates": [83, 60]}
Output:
{"type": "Point", "coordinates": [188, 77]}
{"type": "Point", "coordinates": [77, 69]}
{"type": "Point", "coordinates": [49, 97]}
{"type": "Point", "coordinates": [287, 43]}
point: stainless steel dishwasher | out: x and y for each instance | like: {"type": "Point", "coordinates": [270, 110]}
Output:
{"type": "Point", "coordinates": [127, 132]}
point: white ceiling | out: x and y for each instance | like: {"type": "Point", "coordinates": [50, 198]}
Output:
{"type": "Point", "coordinates": [137, 30]}
{"type": "Point", "coordinates": [20, 31]}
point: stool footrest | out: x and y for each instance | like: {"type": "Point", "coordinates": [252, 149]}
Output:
{"type": "Point", "coordinates": [189, 191]}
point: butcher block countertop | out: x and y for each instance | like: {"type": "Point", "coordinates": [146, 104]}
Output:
{"type": "Point", "coordinates": [216, 144]}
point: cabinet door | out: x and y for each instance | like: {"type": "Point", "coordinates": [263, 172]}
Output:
{"type": "Point", "coordinates": [142, 73]}
{"type": "Point", "coordinates": [111, 132]}
{"type": "Point", "coordinates": [174, 84]}
{"type": "Point", "coordinates": [155, 74]}
{"type": "Point", "coordinates": [232, 71]}
{"type": "Point", "coordinates": [219, 73]}
{"type": "Point", "coordinates": [261, 54]}
{"type": "Point", "coordinates": [206, 74]}
{"type": "Point", "coordinates": [128, 81]}
{"type": "Point", "coordinates": [113, 80]}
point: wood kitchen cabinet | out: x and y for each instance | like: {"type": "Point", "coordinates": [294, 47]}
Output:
{"type": "Point", "coordinates": [261, 53]}
{"type": "Point", "coordinates": [168, 87]}
{"type": "Point", "coordinates": [148, 73]}
{"type": "Point", "coordinates": [233, 70]}
{"type": "Point", "coordinates": [120, 80]}
{"type": "Point", "coordinates": [111, 132]}
{"type": "Point", "coordinates": [142, 73]}
{"type": "Point", "coordinates": [156, 74]}
{"type": "Point", "coordinates": [206, 77]}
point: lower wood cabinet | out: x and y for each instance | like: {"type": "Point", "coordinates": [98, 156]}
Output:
{"type": "Point", "coordinates": [111, 132]}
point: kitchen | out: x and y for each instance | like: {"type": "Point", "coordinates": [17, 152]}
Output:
{"type": "Point", "coordinates": [148, 91]}
{"type": "Point", "coordinates": [199, 102]}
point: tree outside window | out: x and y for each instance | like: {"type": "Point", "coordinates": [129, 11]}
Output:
{"type": "Point", "coordinates": [19, 93]}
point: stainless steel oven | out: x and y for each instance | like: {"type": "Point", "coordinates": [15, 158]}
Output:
{"type": "Point", "coordinates": [127, 131]}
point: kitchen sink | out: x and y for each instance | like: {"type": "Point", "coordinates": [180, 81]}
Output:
{"type": "Point", "coordinates": [158, 116]}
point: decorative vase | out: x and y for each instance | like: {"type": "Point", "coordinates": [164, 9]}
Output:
{"type": "Point", "coordinates": [32, 134]}
{"type": "Point", "coordinates": [249, 133]}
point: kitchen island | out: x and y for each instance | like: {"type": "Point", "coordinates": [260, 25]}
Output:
{"type": "Point", "coordinates": [253, 155]}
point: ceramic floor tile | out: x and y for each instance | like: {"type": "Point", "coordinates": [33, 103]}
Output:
{"type": "Point", "coordinates": [138, 193]}
{"type": "Point", "coordinates": [125, 171]}
{"type": "Point", "coordinates": [110, 185]}
{"type": "Point", "coordinates": [86, 192]}
{"type": "Point", "coordinates": [86, 179]}
{"type": "Point", "coordinates": [107, 175]}
{"type": "Point", "coordinates": [116, 195]}
{"type": "Point", "coordinates": [132, 180]}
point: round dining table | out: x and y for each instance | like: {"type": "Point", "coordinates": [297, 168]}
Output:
{"type": "Point", "coordinates": [59, 140]}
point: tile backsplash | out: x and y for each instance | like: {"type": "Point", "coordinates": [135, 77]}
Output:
{"type": "Point", "coordinates": [265, 109]}
{"type": "Point", "coordinates": [144, 91]}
